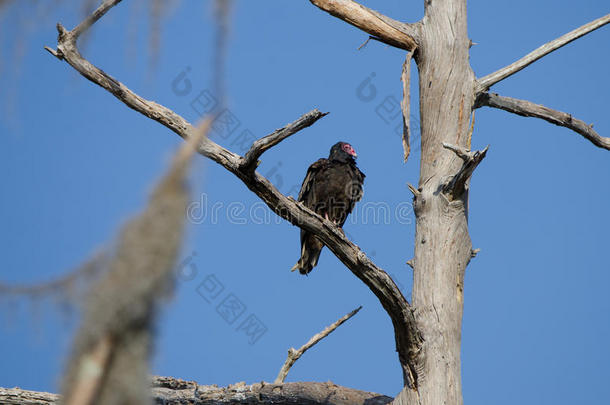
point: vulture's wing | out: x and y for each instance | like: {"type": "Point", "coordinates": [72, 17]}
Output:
{"type": "Point", "coordinates": [304, 194]}
{"type": "Point", "coordinates": [357, 192]}
{"type": "Point", "coordinates": [352, 194]}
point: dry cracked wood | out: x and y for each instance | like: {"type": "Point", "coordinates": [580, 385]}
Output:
{"type": "Point", "coordinates": [382, 28]}
{"type": "Point", "coordinates": [173, 391]}
{"type": "Point", "coordinates": [528, 109]}
{"type": "Point", "coordinates": [294, 355]}
{"type": "Point", "coordinates": [484, 83]}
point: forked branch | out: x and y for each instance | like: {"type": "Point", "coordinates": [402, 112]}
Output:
{"type": "Point", "coordinates": [261, 145]}
{"type": "Point", "coordinates": [529, 109]}
{"type": "Point", "coordinates": [408, 337]}
{"type": "Point", "coordinates": [484, 83]}
{"type": "Point", "coordinates": [456, 186]}
{"type": "Point", "coordinates": [392, 32]}
{"type": "Point", "coordinates": [294, 355]}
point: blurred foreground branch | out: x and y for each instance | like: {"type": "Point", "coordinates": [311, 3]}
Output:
{"type": "Point", "coordinates": [109, 360]}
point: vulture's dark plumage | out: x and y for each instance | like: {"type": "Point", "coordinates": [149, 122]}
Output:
{"type": "Point", "coordinates": [331, 188]}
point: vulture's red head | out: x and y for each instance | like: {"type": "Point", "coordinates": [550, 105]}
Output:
{"type": "Point", "coordinates": [343, 152]}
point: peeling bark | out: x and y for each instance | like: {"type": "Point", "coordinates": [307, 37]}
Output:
{"type": "Point", "coordinates": [442, 242]}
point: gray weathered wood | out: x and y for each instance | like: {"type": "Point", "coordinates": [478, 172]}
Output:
{"type": "Point", "coordinates": [294, 355]}
{"type": "Point", "coordinates": [405, 106]}
{"type": "Point", "coordinates": [173, 391]}
{"type": "Point", "coordinates": [484, 83]}
{"type": "Point", "coordinates": [528, 109]}
{"type": "Point", "coordinates": [261, 145]}
{"type": "Point", "coordinates": [442, 242]}
{"type": "Point", "coordinates": [383, 28]}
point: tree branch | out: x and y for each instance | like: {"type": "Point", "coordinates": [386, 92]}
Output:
{"type": "Point", "coordinates": [93, 18]}
{"type": "Point", "coordinates": [456, 186]}
{"type": "Point", "coordinates": [529, 109]}
{"type": "Point", "coordinates": [294, 355]}
{"type": "Point", "coordinates": [167, 390]}
{"type": "Point", "coordinates": [389, 31]}
{"type": "Point", "coordinates": [407, 335]}
{"type": "Point", "coordinates": [484, 83]}
{"type": "Point", "coordinates": [261, 145]}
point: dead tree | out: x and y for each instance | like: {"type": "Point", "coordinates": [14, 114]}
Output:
{"type": "Point", "coordinates": [427, 330]}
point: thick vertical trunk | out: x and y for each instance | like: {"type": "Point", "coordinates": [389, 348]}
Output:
{"type": "Point", "coordinates": [442, 244]}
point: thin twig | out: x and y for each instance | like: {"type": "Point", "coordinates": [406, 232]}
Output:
{"type": "Point", "coordinates": [528, 109]}
{"type": "Point", "coordinates": [415, 191]}
{"type": "Point", "coordinates": [462, 153]}
{"type": "Point", "coordinates": [294, 355]}
{"type": "Point", "coordinates": [484, 83]}
{"type": "Point", "coordinates": [94, 17]}
{"type": "Point", "coordinates": [365, 42]}
{"type": "Point", "coordinates": [261, 145]}
{"type": "Point", "coordinates": [368, 39]}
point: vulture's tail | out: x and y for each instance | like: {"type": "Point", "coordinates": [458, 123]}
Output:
{"type": "Point", "coordinates": [310, 253]}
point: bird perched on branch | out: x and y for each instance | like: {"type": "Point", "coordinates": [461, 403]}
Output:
{"type": "Point", "coordinates": [331, 188]}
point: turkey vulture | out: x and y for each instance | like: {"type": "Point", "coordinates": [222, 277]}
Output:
{"type": "Point", "coordinates": [331, 188]}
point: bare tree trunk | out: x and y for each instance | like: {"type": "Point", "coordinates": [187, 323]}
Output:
{"type": "Point", "coordinates": [442, 244]}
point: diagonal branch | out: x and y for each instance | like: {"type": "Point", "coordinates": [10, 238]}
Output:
{"type": "Point", "coordinates": [261, 145]}
{"type": "Point", "coordinates": [294, 355]}
{"type": "Point", "coordinates": [383, 28]}
{"type": "Point", "coordinates": [407, 335]}
{"type": "Point", "coordinates": [93, 18]}
{"type": "Point", "coordinates": [529, 109]}
{"type": "Point", "coordinates": [484, 83]}
{"type": "Point", "coordinates": [457, 185]}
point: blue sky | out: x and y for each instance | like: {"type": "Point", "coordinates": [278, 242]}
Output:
{"type": "Point", "coordinates": [76, 164]}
